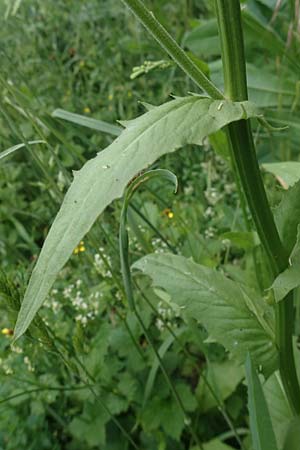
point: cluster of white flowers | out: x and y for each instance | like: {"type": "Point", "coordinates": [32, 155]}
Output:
{"type": "Point", "coordinates": [209, 213]}
{"type": "Point", "coordinates": [212, 196]}
{"type": "Point", "coordinates": [159, 245]}
{"type": "Point", "coordinates": [188, 190]}
{"type": "Point", "coordinates": [100, 265]}
{"type": "Point", "coordinates": [16, 349]}
{"type": "Point", "coordinates": [167, 316]}
{"type": "Point", "coordinates": [209, 233]}
{"type": "Point", "coordinates": [28, 364]}
{"type": "Point", "coordinates": [88, 309]}
{"type": "Point", "coordinates": [86, 306]}
{"type": "Point", "coordinates": [5, 367]}
{"type": "Point", "coordinates": [134, 243]}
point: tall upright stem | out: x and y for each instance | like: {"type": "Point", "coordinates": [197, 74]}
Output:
{"type": "Point", "coordinates": [245, 160]}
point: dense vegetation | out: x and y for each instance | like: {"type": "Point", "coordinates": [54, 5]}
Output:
{"type": "Point", "coordinates": [97, 369]}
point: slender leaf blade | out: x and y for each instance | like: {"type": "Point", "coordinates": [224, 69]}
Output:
{"type": "Point", "coordinates": [88, 122]}
{"type": "Point", "coordinates": [263, 437]}
{"type": "Point", "coordinates": [279, 408]}
{"type": "Point", "coordinates": [14, 148]}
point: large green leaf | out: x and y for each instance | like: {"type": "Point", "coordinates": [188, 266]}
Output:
{"type": "Point", "coordinates": [287, 216]}
{"type": "Point", "coordinates": [262, 432]}
{"type": "Point", "coordinates": [232, 313]}
{"type": "Point", "coordinates": [161, 130]}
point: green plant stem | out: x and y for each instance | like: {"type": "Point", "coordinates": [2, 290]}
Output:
{"type": "Point", "coordinates": [243, 151]}
{"type": "Point", "coordinates": [128, 286]}
{"type": "Point", "coordinates": [166, 41]}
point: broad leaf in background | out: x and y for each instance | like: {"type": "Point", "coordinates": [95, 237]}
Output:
{"type": "Point", "coordinates": [232, 314]}
{"type": "Point", "coordinates": [263, 437]}
{"type": "Point", "coordinates": [223, 377]}
{"type": "Point", "coordinates": [204, 40]}
{"type": "Point", "coordinates": [290, 278]}
{"type": "Point", "coordinates": [278, 405]}
{"type": "Point", "coordinates": [287, 173]}
{"type": "Point", "coordinates": [246, 240]}
{"type": "Point", "coordinates": [287, 216]}
{"type": "Point", "coordinates": [161, 130]}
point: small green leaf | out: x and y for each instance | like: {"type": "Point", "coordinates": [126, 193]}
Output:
{"type": "Point", "coordinates": [214, 444]}
{"type": "Point", "coordinates": [290, 278]}
{"type": "Point", "coordinates": [103, 179]}
{"type": "Point", "coordinates": [286, 281]}
{"type": "Point", "coordinates": [242, 239]}
{"type": "Point", "coordinates": [232, 313]}
{"type": "Point", "coordinates": [219, 143]}
{"type": "Point", "coordinates": [293, 435]}
{"type": "Point", "coordinates": [287, 216]}
{"type": "Point", "coordinates": [288, 173]}
{"type": "Point", "coordinates": [263, 437]}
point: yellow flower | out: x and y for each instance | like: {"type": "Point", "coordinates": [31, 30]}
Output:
{"type": "Point", "coordinates": [169, 213]}
{"type": "Point", "coordinates": [86, 110]}
{"type": "Point", "coordinates": [81, 63]}
{"type": "Point", "coordinates": [129, 94]}
{"type": "Point", "coordinates": [7, 331]}
{"type": "Point", "coordinates": [79, 249]}
{"type": "Point", "coordinates": [110, 97]}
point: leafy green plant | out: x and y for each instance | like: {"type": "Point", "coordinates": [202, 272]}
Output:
{"type": "Point", "coordinates": [236, 312]}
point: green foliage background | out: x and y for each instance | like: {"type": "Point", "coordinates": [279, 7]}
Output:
{"type": "Point", "coordinates": [88, 365]}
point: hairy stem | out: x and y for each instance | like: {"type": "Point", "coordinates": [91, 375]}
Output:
{"type": "Point", "coordinates": [166, 41]}
{"type": "Point", "coordinates": [243, 151]}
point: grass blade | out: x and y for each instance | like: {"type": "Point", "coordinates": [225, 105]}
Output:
{"type": "Point", "coordinates": [262, 432]}
{"type": "Point", "coordinates": [88, 122]}
{"type": "Point", "coordinates": [13, 149]}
